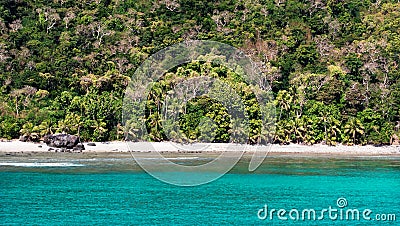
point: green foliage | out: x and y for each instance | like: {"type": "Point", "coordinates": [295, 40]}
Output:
{"type": "Point", "coordinates": [202, 118]}
{"type": "Point", "coordinates": [333, 67]}
{"type": "Point", "coordinates": [9, 127]}
{"type": "Point", "coordinates": [353, 129]}
{"type": "Point", "coordinates": [205, 121]}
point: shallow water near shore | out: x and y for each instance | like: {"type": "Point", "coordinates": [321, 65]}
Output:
{"type": "Point", "coordinates": [110, 188]}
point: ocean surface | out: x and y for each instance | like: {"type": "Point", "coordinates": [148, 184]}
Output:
{"type": "Point", "coordinates": [113, 190]}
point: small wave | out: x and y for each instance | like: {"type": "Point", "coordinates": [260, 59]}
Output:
{"type": "Point", "coordinates": [183, 158]}
{"type": "Point", "coordinates": [39, 164]}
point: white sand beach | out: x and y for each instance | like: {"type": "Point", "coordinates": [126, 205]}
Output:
{"type": "Point", "coordinates": [119, 146]}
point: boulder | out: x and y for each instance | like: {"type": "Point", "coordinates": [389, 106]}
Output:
{"type": "Point", "coordinates": [23, 138]}
{"type": "Point", "coordinates": [61, 141]}
{"type": "Point", "coordinates": [79, 147]}
{"type": "Point", "coordinates": [91, 144]}
{"type": "Point", "coordinates": [34, 137]}
{"type": "Point", "coordinates": [395, 140]}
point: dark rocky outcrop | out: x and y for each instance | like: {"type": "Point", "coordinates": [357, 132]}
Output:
{"type": "Point", "coordinates": [91, 144]}
{"type": "Point", "coordinates": [395, 140]}
{"type": "Point", "coordinates": [79, 147]}
{"type": "Point", "coordinates": [32, 138]}
{"type": "Point", "coordinates": [61, 141]}
{"type": "Point", "coordinates": [24, 138]}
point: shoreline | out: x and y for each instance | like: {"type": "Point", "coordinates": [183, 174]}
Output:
{"type": "Point", "coordinates": [13, 147]}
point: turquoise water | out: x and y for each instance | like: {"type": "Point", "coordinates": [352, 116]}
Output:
{"type": "Point", "coordinates": [115, 191]}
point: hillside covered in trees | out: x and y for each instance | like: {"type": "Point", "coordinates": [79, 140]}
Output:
{"type": "Point", "coordinates": [333, 65]}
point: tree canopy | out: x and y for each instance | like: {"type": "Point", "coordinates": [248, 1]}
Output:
{"type": "Point", "coordinates": [333, 66]}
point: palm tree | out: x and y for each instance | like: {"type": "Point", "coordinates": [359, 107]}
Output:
{"type": "Point", "coordinates": [353, 127]}
{"type": "Point", "coordinates": [63, 127]}
{"type": "Point", "coordinates": [323, 116]}
{"type": "Point", "coordinates": [330, 125]}
{"type": "Point", "coordinates": [298, 128]}
{"type": "Point", "coordinates": [132, 130]}
{"type": "Point", "coordinates": [45, 128]}
{"type": "Point", "coordinates": [99, 128]}
{"type": "Point", "coordinates": [155, 122]}
{"type": "Point", "coordinates": [237, 130]}
{"type": "Point", "coordinates": [284, 131]}
{"type": "Point", "coordinates": [120, 130]}
{"type": "Point", "coordinates": [74, 123]}
{"type": "Point", "coordinates": [283, 100]}
{"type": "Point", "coordinates": [307, 130]}
{"type": "Point", "coordinates": [332, 131]}
{"type": "Point", "coordinates": [155, 95]}
{"type": "Point", "coordinates": [27, 130]}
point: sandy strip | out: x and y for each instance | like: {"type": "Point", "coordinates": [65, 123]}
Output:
{"type": "Point", "coordinates": [118, 146]}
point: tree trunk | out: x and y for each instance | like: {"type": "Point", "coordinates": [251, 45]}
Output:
{"type": "Point", "coordinates": [326, 134]}
{"type": "Point", "coordinates": [16, 105]}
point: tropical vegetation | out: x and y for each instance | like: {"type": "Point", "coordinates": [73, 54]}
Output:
{"type": "Point", "coordinates": [332, 66]}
